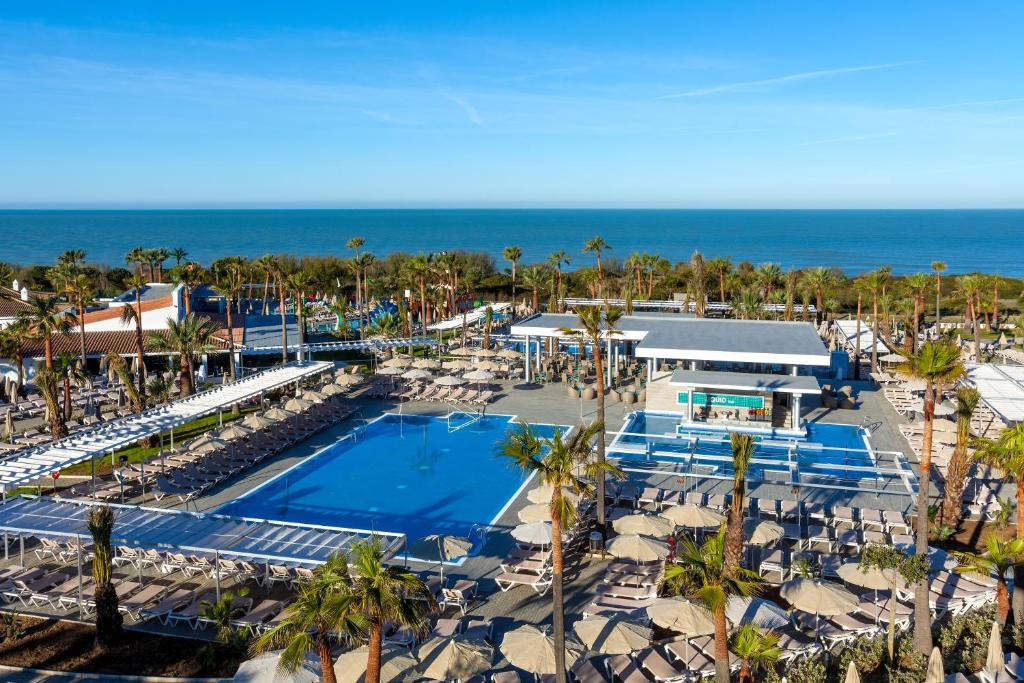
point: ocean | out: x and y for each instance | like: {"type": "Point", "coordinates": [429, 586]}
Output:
{"type": "Point", "coordinates": [853, 240]}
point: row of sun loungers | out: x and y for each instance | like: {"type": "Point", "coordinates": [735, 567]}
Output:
{"type": "Point", "coordinates": [447, 394]}
{"type": "Point", "coordinates": [626, 589]}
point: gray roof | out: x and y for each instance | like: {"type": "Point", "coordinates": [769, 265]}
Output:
{"type": "Point", "coordinates": [740, 337]}
{"type": "Point", "coordinates": [638, 322]}
{"type": "Point", "coordinates": [150, 292]}
{"type": "Point", "coordinates": [746, 381]}
{"type": "Point", "coordinates": [265, 330]}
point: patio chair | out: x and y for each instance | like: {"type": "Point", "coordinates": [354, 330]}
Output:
{"type": "Point", "coordinates": [459, 595]}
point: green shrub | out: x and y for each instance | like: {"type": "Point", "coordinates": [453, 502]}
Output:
{"type": "Point", "coordinates": [807, 670]}
{"type": "Point", "coordinates": [963, 640]}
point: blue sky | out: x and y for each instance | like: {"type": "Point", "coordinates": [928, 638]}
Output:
{"type": "Point", "coordinates": [676, 104]}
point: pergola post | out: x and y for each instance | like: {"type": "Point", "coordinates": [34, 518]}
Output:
{"type": "Point", "coordinates": [610, 361]}
{"type": "Point", "coordinates": [216, 573]}
{"type": "Point", "coordinates": [650, 369]}
{"type": "Point", "coordinates": [689, 404]}
{"type": "Point", "coordinates": [796, 411]}
{"type": "Point", "coordinates": [528, 373]}
{"type": "Point", "coordinates": [78, 543]}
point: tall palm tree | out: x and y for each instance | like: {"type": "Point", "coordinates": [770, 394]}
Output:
{"type": "Point", "coordinates": [564, 464]}
{"type": "Point", "coordinates": [699, 573]}
{"type": "Point", "coordinates": [300, 282]}
{"type": "Point", "coordinates": [46, 317]}
{"type": "Point", "coordinates": [917, 286]}
{"type": "Point", "coordinates": [108, 616]}
{"type": "Point", "coordinates": [160, 255]}
{"type": "Point", "coordinates": [697, 284]}
{"type": "Point", "coordinates": [749, 305]}
{"type": "Point", "coordinates": [324, 609]}
{"type": "Point", "coordinates": [47, 380]}
{"type": "Point", "coordinates": [720, 267]}
{"type": "Point", "coordinates": [951, 512]}
{"type": "Point", "coordinates": [859, 286]}
{"type": "Point", "coordinates": [596, 327]}
{"type": "Point", "coordinates": [876, 282]}
{"type": "Point", "coordinates": [757, 651]}
{"type": "Point", "coordinates": [791, 283]}
{"type": "Point", "coordinates": [13, 339]}
{"type": "Point", "coordinates": [819, 280]}
{"type": "Point", "coordinates": [742, 453]}
{"type": "Point", "coordinates": [597, 246]}
{"type": "Point", "coordinates": [79, 290]}
{"type": "Point", "coordinates": [280, 279]}
{"type": "Point", "coordinates": [535, 279]}
{"type": "Point", "coordinates": [136, 257]}
{"type": "Point", "coordinates": [512, 255]}
{"type": "Point", "coordinates": [265, 264]}
{"type": "Point", "coordinates": [970, 289]}
{"type": "Point", "coordinates": [895, 563]}
{"type": "Point", "coordinates": [69, 370]}
{"type": "Point", "coordinates": [417, 270]}
{"type": "Point", "coordinates": [189, 276]}
{"type": "Point", "coordinates": [1000, 556]}
{"type": "Point", "coordinates": [386, 594]}
{"type": "Point", "coordinates": [179, 255]}
{"type": "Point", "coordinates": [117, 366]}
{"type": "Point", "coordinates": [1007, 454]}
{"type": "Point", "coordinates": [557, 260]}
{"type": "Point", "coordinates": [229, 279]}
{"type": "Point", "coordinates": [130, 315]}
{"type": "Point", "coordinates": [938, 267]}
{"type": "Point", "coordinates": [767, 278]}
{"type": "Point", "coordinates": [188, 338]}
{"type": "Point", "coordinates": [938, 364]}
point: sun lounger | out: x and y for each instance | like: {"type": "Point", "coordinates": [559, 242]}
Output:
{"type": "Point", "coordinates": [172, 601]}
{"type": "Point", "coordinates": [259, 615]}
{"type": "Point", "coordinates": [28, 591]}
{"type": "Point", "coordinates": [657, 665]}
{"type": "Point", "coordinates": [134, 604]}
{"type": "Point", "coordinates": [540, 583]}
{"type": "Point", "coordinates": [190, 612]}
{"type": "Point", "coordinates": [478, 628]}
{"type": "Point", "coordinates": [630, 592]}
{"type": "Point", "coordinates": [586, 671]}
{"type": "Point", "coordinates": [625, 670]}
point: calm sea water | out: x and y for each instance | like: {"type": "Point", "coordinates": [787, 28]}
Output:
{"type": "Point", "coordinates": [852, 240]}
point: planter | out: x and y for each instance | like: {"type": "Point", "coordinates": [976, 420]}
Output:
{"type": "Point", "coordinates": [642, 398]}
{"type": "Point", "coordinates": [613, 396]}
{"type": "Point", "coordinates": [573, 393]}
{"type": "Point", "coordinates": [628, 397]}
{"type": "Point", "coordinates": [589, 394]}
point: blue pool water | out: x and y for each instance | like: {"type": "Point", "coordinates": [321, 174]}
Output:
{"type": "Point", "coordinates": [828, 449]}
{"type": "Point", "coordinates": [406, 474]}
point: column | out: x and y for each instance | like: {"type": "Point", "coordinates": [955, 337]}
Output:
{"type": "Point", "coordinates": [608, 368]}
{"type": "Point", "coordinates": [651, 362]}
{"type": "Point", "coordinates": [795, 403]}
{"type": "Point", "coordinates": [689, 404]}
{"type": "Point", "coordinates": [795, 370]}
{"type": "Point", "coordinates": [528, 371]}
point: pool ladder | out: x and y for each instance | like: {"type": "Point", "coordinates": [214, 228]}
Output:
{"type": "Point", "coordinates": [457, 409]}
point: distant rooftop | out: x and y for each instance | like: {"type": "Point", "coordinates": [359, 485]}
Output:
{"type": "Point", "coordinates": [150, 292]}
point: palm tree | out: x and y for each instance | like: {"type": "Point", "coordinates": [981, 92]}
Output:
{"type": "Point", "coordinates": [47, 381]}
{"type": "Point", "coordinates": [792, 282]}
{"type": "Point", "coordinates": [46, 317]}
{"type": "Point", "coordinates": [265, 264]}
{"type": "Point", "coordinates": [280, 277]}
{"type": "Point", "coordinates": [697, 284]}
{"type": "Point", "coordinates": [938, 267]}
{"type": "Point", "coordinates": [136, 258]}
{"type": "Point", "coordinates": [229, 278]}
{"type": "Point", "coordinates": [594, 328]}
{"type": "Point", "coordinates": [299, 282]}
{"type": "Point", "coordinates": [512, 255]}
{"type": "Point", "coordinates": [131, 315]}
{"type": "Point", "coordinates": [417, 270]}
{"type": "Point", "coordinates": [699, 573]}
{"type": "Point", "coordinates": [1007, 454]}
{"type": "Point", "coordinates": [188, 338]}
{"type": "Point", "coordinates": [1000, 556]}
{"type": "Point", "coordinates": [875, 282]}
{"type": "Point", "coordinates": [970, 289]}
{"type": "Point", "coordinates": [386, 594]}
{"type": "Point", "coordinates": [488, 323]}
{"type": "Point", "coordinates": [917, 285]}
{"type": "Point", "coordinates": [69, 370]}
{"type": "Point", "coordinates": [756, 650]}
{"type": "Point", "coordinates": [557, 260]}
{"type": "Point", "coordinates": [159, 256]}
{"type": "Point", "coordinates": [951, 512]}
{"type": "Point", "coordinates": [325, 607]}
{"type": "Point", "coordinates": [767, 278]}
{"type": "Point", "coordinates": [597, 246]}
{"type": "Point", "coordinates": [938, 364]}
{"type": "Point", "coordinates": [564, 464]}
{"type": "Point", "coordinates": [894, 563]}
{"type": "Point", "coordinates": [535, 278]}
{"type": "Point", "coordinates": [720, 267]}
{"type": "Point", "coordinates": [742, 452]}
{"type": "Point", "coordinates": [859, 285]}
{"type": "Point", "coordinates": [13, 339]}
{"type": "Point", "coordinates": [189, 276]}
{"type": "Point", "coordinates": [749, 305]}
{"type": "Point", "coordinates": [108, 617]}
{"type": "Point", "coordinates": [179, 255]}
{"type": "Point", "coordinates": [117, 366]}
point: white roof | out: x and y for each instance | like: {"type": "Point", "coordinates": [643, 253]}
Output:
{"type": "Point", "coordinates": [1001, 388]}
{"type": "Point", "coordinates": [471, 317]}
{"type": "Point", "coordinates": [746, 381]}
{"type": "Point", "coordinates": [31, 463]}
{"type": "Point", "coordinates": [848, 328]}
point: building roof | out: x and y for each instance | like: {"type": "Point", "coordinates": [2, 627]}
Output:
{"type": "Point", "coordinates": [1001, 388]}
{"type": "Point", "coordinates": [150, 292]}
{"type": "Point", "coordinates": [678, 337]}
{"type": "Point", "coordinates": [265, 330]}
{"type": "Point", "coordinates": [746, 381]}
{"type": "Point", "coordinates": [121, 342]}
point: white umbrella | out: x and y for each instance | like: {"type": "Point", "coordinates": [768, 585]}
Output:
{"type": "Point", "coordinates": [994, 658]}
{"type": "Point", "coordinates": [449, 381]}
{"type": "Point", "coordinates": [314, 396]}
{"type": "Point", "coordinates": [478, 376]}
{"type": "Point", "coordinates": [762, 613]}
{"type": "Point", "coordinates": [638, 548]}
{"type": "Point", "coordinates": [530, 649]}
{"type": "Point", "coordinates": [278, 414]}
{"type": "Point", "coordinates": [681, 616]}
{"type": "Point", "coordinates": [818, 597]}
{"type": "Point", "coordinates": [761, 531]}
{"type": "Point", "coordinates": [613, 635]}
{"type": "Point", "coordinates": [941, 409]}
{"type": "Point", "coordinates": [395, 662]}
{"type": "Point", "coordinates": [416, 373]}
{"type": "Point", "coordinates": [297, 405]}
{"type": "Point", "coordinates": [851, 674]}
{"type": "Point", "coordinates": [457, 658]}
{"type": "Point", "coordinates": [936, 672]}
{"type": "Point", "coordinates": [535, 533]}
{"type": "Point", "coordinates": [539, 512]}
{"type": "Point", "coordinates": [871, 578]}
{"type": "Point", "coordinates": [332, 389]}
{"type": "Point", "coordinates": [542, 494]}
{"type": "Point", "coordinates": [390, 370]}
{"type": "Point", "coordinates": [892, 358]}
{"type": "Point", "coordinates": [397, 362]}
{"type": "Point", "coordinates": [426, 364]}
{"type": "Point", "coordinates": [648, 525]}
{"type": "Point", "coordinates": [266, 668]}
{"type": "Point", "coordinates": [693, 516]}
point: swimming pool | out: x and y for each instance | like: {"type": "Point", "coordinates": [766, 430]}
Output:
{"type": "Point", "coordinates": [415, 475]}
{"type": "Point", "coordinates": [828, 452]}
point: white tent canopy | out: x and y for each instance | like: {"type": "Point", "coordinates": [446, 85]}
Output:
{"type": "Point", "coordinates": [473, 316]}
{"type": "Point", "coordinates": [848, 330]}
{"type": "Point", "coordinates": [1001, 388]}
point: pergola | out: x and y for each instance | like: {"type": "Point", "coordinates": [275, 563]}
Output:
{"type": "Point", "coordinates": [1001, 388]}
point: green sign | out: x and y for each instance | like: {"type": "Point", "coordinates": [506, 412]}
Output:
{"type": "Point", "coordinates": [728, 400]}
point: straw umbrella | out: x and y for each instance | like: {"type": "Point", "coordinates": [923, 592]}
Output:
{"type": "Point", "coordinates": [511, 354]}
{"type": "Point", "coordinates": [892, 358]}
{"type": "Point", "coordinates": [333, 389]}
{"type": "Point", "coordinates": [681, 616]}
{"type": "Point", "coordinates": [647, 525]}
{"type": "Point", "coordinates": [488, 365]}
{"type": "Point", "coordinates": [298, 405]}
{"type": "Point", "coordinates": [539, 512]}
{"type": "Point", "coordinates": [348, 380]}
{"type": "Point", "coordinates": [530, 649]}
{"type": "Point", "coordinates": [851, 674]}
{"type": "Point", "coordinates": [416, 373]}
{"type": "Point", "coordinates": [456, 365]}
{"type": "Point", "coordinates": [206, 444]}
{"type": "Point", "coordinates": [278, 414]}
{"type": "Point", "coordinates": [395, 662]}
{"type": "Point", "coordinates": [761, 531]}
{"type": "Point", "coordinates": [542, 494]}
{"type": "Point", "coordinates": [936, 672]}
{"type": "Point", "coordinates": [614, 635]}
{"type": "Point", "coordinates": [485, 353]}
{"type": "Point", "coordinates": [462, 351]}
{"type": "Point", "coordinates": [449, 381]}
{"type": "Point", "coordinates": [818, 597]}
{"type": "Point", "coordinates": [535, 533]}
{"type": "Point", "coordinates": [638, 548]}
{"type": "Point", "coordinates": [693, 516]}
{"type": "Point", "coordinates": [873, 579]}
{"type": "Point", "coordinates": [994, 661]}
{"type": "Point", "coordinates": [426, 364]}
{"type": "Point", "coordinates": [257, 422]}
{"type": "Point", "coordinates": [457, 658]}
{"type": "Point", "coordinates": [390, 371]}
{"type": "Point", "coordinates": [478, 376]}
{"type": "Point", "coordinates": [314, 396]}
{"type": "Point", "coordinates": [234, 431]}
{"type": "Point", "coordinates": [397, 362]}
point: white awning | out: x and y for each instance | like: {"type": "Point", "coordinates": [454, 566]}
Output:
{"type": "Point", "coordinates": [848, 330]}
{"type": "Point", "coordinates": [475, 315]}
{"type": "Point", "coordinates": [1001, 388]}
{"type": "Point", "coordinates": [29, 464]}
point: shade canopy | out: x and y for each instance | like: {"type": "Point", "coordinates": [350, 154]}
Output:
{"type": "Point", "coordinates": [462, 351]}
{"type": "Point", "coordinates": [256, 421]}
{"type": "Point", "coordinates": [278, 414]}
{"type": "Point", "coordinates": [448, 659]}
{"type": "Point", "coordinates": [207, 444]}
{"type": "Point", "coordinates": [693, 516]}
{"type": "Point", "coordinates": [234, 431]}
{"type": "Point", "coordinates": [530, 649]}
{"type": "Point", "coordinates": [761, 531]}
{"type": "Point", "coordinates": [395, 662]}
{"type": "Point", "coordinates": [511, 354]}
{"type": "Point", "coordinates": [681, 616]}
{"type": "Point", "coordinates": [314, 396]}
{"type": "Point", "coordinates": [538, 512]}
{"type": "Point", "coordinates": [535, 533]}
{"type": "Point", "coordinates": [613, 635]}
{"type": "Point", "coordinates": [818, 597]}
{"type": "Point", "coordinates": [348, 380]}
{"type": "Point", "coordinates": [266, 668]}
{"type": "Point", "coordinates": [647, 525]}
{"type": "Point", "coordinates": [298, 405]}
{"type": "Point", "coordinates": [333, 389]}
{"type": "Point", "coordinates": [441, 547]}
{"type": "Point", "coordinates": [871, 578]}
{"type": "Point", "coordinates": [397, 362]}
{"type": "Point", "coordinates": [449, 381]}
{"type": "Point", "coordinates": [478, 376]}
{"type": "Point", "coordinates": [542, 494]}
{"type": "Point", "coordinates": [762, 613]}
{"type": "Point", "coordinates": [426, 364]}
{"type": "Point", "coordinates": [638, 548]}
{"type": "Point", "coordinates": [457, 365]}
{"type": "Point", "coordinates": [416, 373]}
{"type": "Point", "coordinates": [392, 371]}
